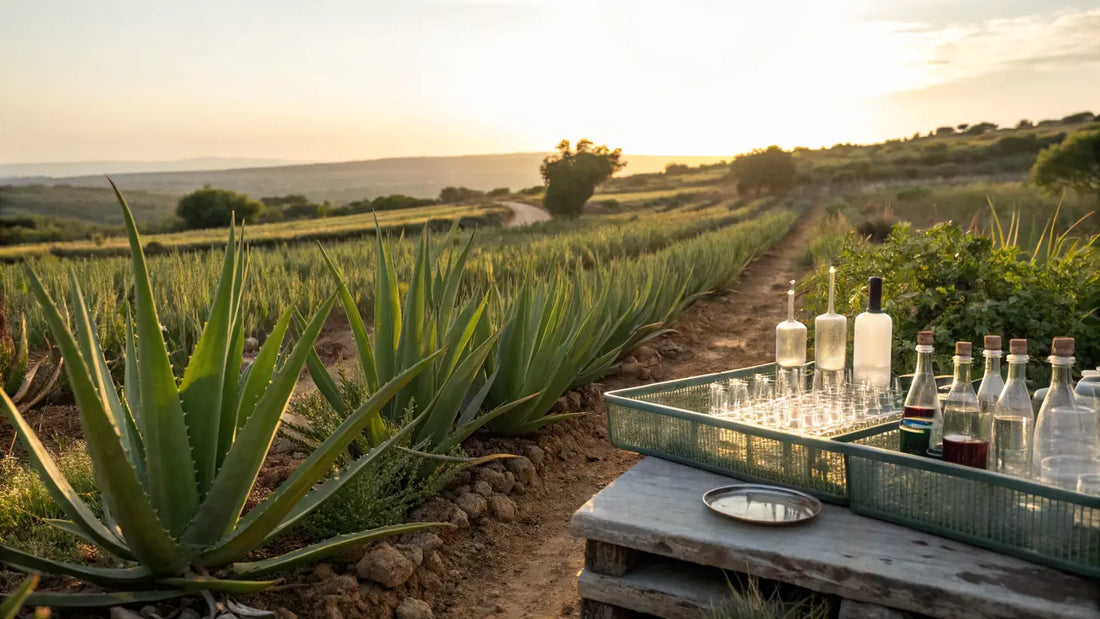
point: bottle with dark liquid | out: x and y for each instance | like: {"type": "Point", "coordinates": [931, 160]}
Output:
{"type": "Point", "coordinates": [921, 401]}
{"type": "Point", "coordinates": [960, 431]}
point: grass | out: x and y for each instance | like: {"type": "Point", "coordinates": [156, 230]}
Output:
{"type": "Point", "coordinates": [90, 204]}
{"type": "Point", "coordinates": [748, 601]}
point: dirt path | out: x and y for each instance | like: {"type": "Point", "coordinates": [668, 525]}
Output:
{"type": "Point", "coordinates": [530, 570]}
{"type": "Point", "coordinates": [524, 214]}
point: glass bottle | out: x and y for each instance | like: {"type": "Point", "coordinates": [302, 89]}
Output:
{"type": "Point", "coordinates": [1067, 436]}
{"type": "Point", "coordinates": [992, 385]}
{"type": "Point", "coordinates": [922, 402]}
{"type": "Point", "coordinates": [1087, 390]}
{"type": "Point", "coordinates": [959, 437]}
{"type": "Point", "coordinates": [830, 335]}
{"type": "Point", "coordinates": [1012, 417]}
{"type": "Point", "coordinates": [790, 338]}
{"type": "Point", "coordinates": [873, 341]}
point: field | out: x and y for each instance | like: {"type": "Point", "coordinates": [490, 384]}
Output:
{"type": "Point", "coordinates": [95, 205]}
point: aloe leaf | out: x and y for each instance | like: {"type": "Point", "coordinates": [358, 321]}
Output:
{"type": "Point", "coordinates": [320, 550]}
{"type": "Point", "coordinates": [326, 385]}
{"type": "Point", "coordinates": [204, 377]}
{"type": "Point", "coordinates": [231, 390]}
{"type": "Point", "coordinates": [463, 431]}
{"type": "Point", "coordinates": [235, 479]}
{"type": "Point", "coordinates": [171, 471]}
{"type": "Point", "coordinates": [263, 518]}
{"type": "Point", "coordinates": [102, 576]}
{"type": "Point", "coordinates": [9, 608]}
{"type": "Point", "coordinates": [453, 281]}
{"type": "Point", "coordinates": [99, 600]}
{"type": "Point", "coordinates": [217, 585]}
{"type": "Point", "coordinates": [457, 459]}
{"type": "Point", "coordinates": [131, 385]}
{"type": "Point", "coordinates": [387, 311]}
{"type": "Point", "coordinates": [355, 321]}
{"type": "Point", "coordinates": [445, 408]}
{"type": "Point", "coordinates": [262, 370]}
{"type": "Point", "coordinates": [71, 527]}
{"type": "Point", "coordinates": [538, 424]}
{"type": "Point", "coordinates": [411, 341]}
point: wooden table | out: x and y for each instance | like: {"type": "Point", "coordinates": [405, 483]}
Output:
{"type": "Point", "coordinates": [652, 547]}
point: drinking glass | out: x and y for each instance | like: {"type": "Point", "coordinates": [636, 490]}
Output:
{"type": "Point", "coordinates": [719, 398]}
{"type": "Point", "coordinates": [1065, 471]}
{"type": "Point", "coordinates": [1089, 483]}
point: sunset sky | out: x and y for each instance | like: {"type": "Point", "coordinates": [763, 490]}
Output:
{"type": "Point", "coordinates": [333, 80]}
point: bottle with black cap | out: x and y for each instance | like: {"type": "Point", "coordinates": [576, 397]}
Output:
{"type": "Point", "coordinates": [873, 341]}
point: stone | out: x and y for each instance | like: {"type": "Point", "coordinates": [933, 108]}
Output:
{"type": "Point", "coordinates": [502, 508]}
{"type": "Point", "coordinates": [535, 454]}
{"type": "Point", "coordinates": [251, 344]}
{"type": "Point", "coordinates": [508, 484]}
{"type": "Point", "coordinates": [434, 564]}
{"type": "Point", "coordinates": [483, 488]}
{"type": "Point", "coordinates": [386, 566]}
{"type": "Point", "coordinates": [519, 489]}
{"type": "Point", "coordinates": [426, 541]}
{"type": "Point", "coordinates": [149, 611]}
{"type": "Point", "coordinates": [496, 480]}
{"type": "Point", "coordinates": [524, 471]}
{"type": "Point", "coordinates": [412, 553]}
{"type": "Point", "coordinates": [460, 519]}
{"type": "Point", "coordinates": [283, 613]}
{"type": "Point", "coordinates": [190, 613]}
{"type": "Point", "coordinates": [437, 509]}
{"type": "Point", "coordinates": [283, 446]}
{"type": "Point", "coordinates": [473, 504]}
{"type": "Point", "coordinates": [412, 608]}
{"type": "Point", "coordinates": [118, 612]}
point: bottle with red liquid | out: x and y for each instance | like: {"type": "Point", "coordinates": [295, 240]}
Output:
{"type": "Point", "coordinates": [921, 401]}
{"type": "Point", "coordinates": [960, 427]}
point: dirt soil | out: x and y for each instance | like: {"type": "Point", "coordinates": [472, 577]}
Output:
{"type": "Point", "coordinates": [528, 568]}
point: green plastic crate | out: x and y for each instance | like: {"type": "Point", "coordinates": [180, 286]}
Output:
{"type": "Point", "coordinates": [1008, 514]}
{"type": "Point", "coordinates": [667, 420]}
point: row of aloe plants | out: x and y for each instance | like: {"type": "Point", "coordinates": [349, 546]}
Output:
{"type": "Point", "coordinates": [175, 463]}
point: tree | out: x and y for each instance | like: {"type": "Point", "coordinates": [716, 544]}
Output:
{"type": "Point", "coordinates": [452, 195]}
{"type": "Point", "coordinates": [1075, 163]}
{"type": "Point", "coordinates": [212, 208]}
{"type": "Point", "coordinates": [1024, 124]}
{"type": "Point", "coordinates": [770, 168]}
{"type": "Point", "coordinates": [571, 175]}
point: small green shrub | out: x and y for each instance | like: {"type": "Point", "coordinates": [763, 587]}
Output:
{"type": "Point", "coordinates": [910, 194]}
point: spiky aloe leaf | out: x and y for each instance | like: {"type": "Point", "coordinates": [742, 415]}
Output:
{"type": "Point", "coordinates": [99, 600]}
{"type": "Point", "coordinates": [320, 550]}
{"type": "Point", "coordinates": [355, 320]}
{"type": "Point", "coordinates": [262, 519]}
{"type": "Point", "coordinates": [9, 608]}
{"type": "Point", "coordinates": [216, 585]}
{"type": "Point", "coordinates": [171, 471]}
{"type": "Point", "coordinates": [235, 479]}
{"type": "Point", "coordinates": [102, 576]}
{"type": "Point", "coordinates": [262, 370]}
{"type": "Point", "coordinates": [387, 310]}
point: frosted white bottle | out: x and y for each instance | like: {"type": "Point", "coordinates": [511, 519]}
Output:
{"type": "Point", "coordinates": [830, 335]}
{"type": "Point", "coordinates": [873, 341]}
{"type": "Point", "coordinates": [790, 338]}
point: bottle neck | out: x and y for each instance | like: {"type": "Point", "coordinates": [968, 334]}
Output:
{"type": "Point", "coordinates": [790, 306]}
{"type": "Point", "coordinates": [962, 370]}
{"type": "Point", "coordinates": [1061, 373]}
{"type": "Point", "coordinates": [924, 361]}
{"type": "Point", "coordinates": [1017, 368]}
{"type": "Point", "coordinates": [993, 365]}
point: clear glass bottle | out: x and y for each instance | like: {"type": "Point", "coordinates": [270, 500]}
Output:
{"type": "Point", "coordinates": [992, 385]}
{"type": "Point", "coordinates": [830, 335]}
{"type": "Point", "coordinates": [959, 436]}
{"type": "Point", "coordinates": [1087, 390]}
{"type": "Point", "coordinates": [790, 338]}
{"type": "Point", "coordinates": [873, 341]}
{"type": "Point", "coordinates": [1067, 436]}
{"type": "Point", "coordinates": [922, 402]}
{"type": "Point", "coordinates": [1013, 417]}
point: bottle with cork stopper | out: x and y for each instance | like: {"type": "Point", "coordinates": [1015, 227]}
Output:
{"type": "Point", "coordinates": [1013, 417]}
{"type": "Point", "coordinates": [872, 344]}
{"type": "Point", "coordinates": [991, 386]}
{"type": "Point", "coordinates": [830, 342]}
{"type": "Point", "coordinates": [958, 437]}
{"type": "Point", "coordinates": [1067, 436]}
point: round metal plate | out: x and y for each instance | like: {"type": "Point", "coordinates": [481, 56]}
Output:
{"type": "Point", "coordinates": [761, 504]}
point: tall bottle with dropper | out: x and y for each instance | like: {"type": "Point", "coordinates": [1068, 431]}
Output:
{"type": "Point", "coordinates": [830, 341]}
{"type": "Point", "coordinates": [873, 341]}
{"type": "Point", "coordinates": [992, 385]}
{"type": "Point", "coordinates": [1013, 417]}
{"type": "Point", "coordinates": [790, 338]}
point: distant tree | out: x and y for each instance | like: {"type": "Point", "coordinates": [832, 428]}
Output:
{"type": "Point", "coordinates": [945, 130]}
{"type": "Point", "coordinates": [981, 128]}
{"type": "Point", "coordinates": [212, 208]}
{"type": "Point", "coordinates": [673, 169]}
{"type": "Point", "coordinates": [962, 126]}
{"type": "Point", "coordinates": [1075, 163]}
{"type": "Point", "coordinates": [1024, 124]}
{"type": "Point", "coordinates": [770, 168]}
{"type": "Point", "coordinates": [1079, 117]}
{"type": "Point", "coordinates": [451, 195]}
{"type": "Point", "coordinates": [306, 210]}
{"type": "Point", "coordinates": [498, 192]}
{"type": "Point", "coordinates": [571, 175]}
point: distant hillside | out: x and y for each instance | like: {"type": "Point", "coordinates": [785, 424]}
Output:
{"type": "Point", "coordinates": [355, 180]}
{"type": "Point", "coordinates": [42, 172]}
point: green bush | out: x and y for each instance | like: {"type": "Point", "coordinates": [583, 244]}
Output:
{"type": "Point", "coordinates": [913, 193]}
{"type": "Point", "coordinates": [964, 286]}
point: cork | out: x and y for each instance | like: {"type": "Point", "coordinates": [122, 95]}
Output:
{"type": "Point", "coordinates": [1017, 347]}
{"type": "Point", "coordinates": [924, 338]}
{"type": "Point", "coordinates": [992, 342]}
{"type": "Point", "coordinates": [963, 349]}
{"type": "Point", "coordinates": [1062, 347]}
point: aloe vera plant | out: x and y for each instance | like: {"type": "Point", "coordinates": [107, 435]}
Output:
{"type": "Point", "coordinates": [448, 395]}
{"type": "Point", "coordinates": [175, 464]}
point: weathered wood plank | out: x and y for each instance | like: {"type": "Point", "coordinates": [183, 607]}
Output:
{"type": "Point", "coordinates": [655, 507]}
{"type": "Point", "coordinates": [666, 589]}
{"type": "Point", "coordinates": [609, 559]}
{"type": "Point", "coordinates": [592, 609]}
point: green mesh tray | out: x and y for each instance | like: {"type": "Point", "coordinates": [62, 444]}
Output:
{"type": "Point", "coordinates": [664, 420]}
{"type": "Point", "coordinates": [1008, 514]}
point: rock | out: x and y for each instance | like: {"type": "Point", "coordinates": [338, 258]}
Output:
{"type": "Point", "coordinates": [473, 504]}
{"type": "Point", "coordinates": [118, 612]}
{"type": "Point", "coordinates": [535, 454]}
{"type": "Point", "coordinates": [524, 471]}
{"type": "Point", "coordinates": [350, 555]}
{"type": "Point", "coordinates": [460, 519]}
{"type": "Point", "coordinates": [502, 508]}
{"type": "Point", "coordinates": [412, 608]}
{"type": "Point", "coordinates": [483, 488]}
{"type": "Point", "coordinates": [283, 446]}
{"type": "Point", "coordinates": [437, 509]}
{"type": "Point", "coordinates": [412, 553]}
{"type": "Point", "coordinates": [322, 571]}
{"type": "Point", "coordinates": [519, 489]}
{"type": "Point", "coordinates": [426, 541]}
{"type": "Point", "coordinates": [251, 344]}
{"type": "Point", "coordinates": [644, 353]}
{"type": "Point", "coordinates": [434, 563]}
{"type": "Point", "coordinates": [149, 611]}
{"type": "Point", "coordinates": [462, 490]}
{"type": "Point", "coordinates": [495, 465]}
{"type": "Point", "coordinates": [386, 566]}
{"type": "Point", "coordinates": [493, 477]}
{"type": "Point", "coordinates": [508, 484]}
{"type": "Point", "coordinates": [283, 613]}
{"type": "Point", "coordinates": [635, 371]}
{"type": "Point", "coordinates": [190, 613]}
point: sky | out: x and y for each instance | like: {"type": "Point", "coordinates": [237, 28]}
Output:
{"type": "Point", "coordinates": [332, 80]}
